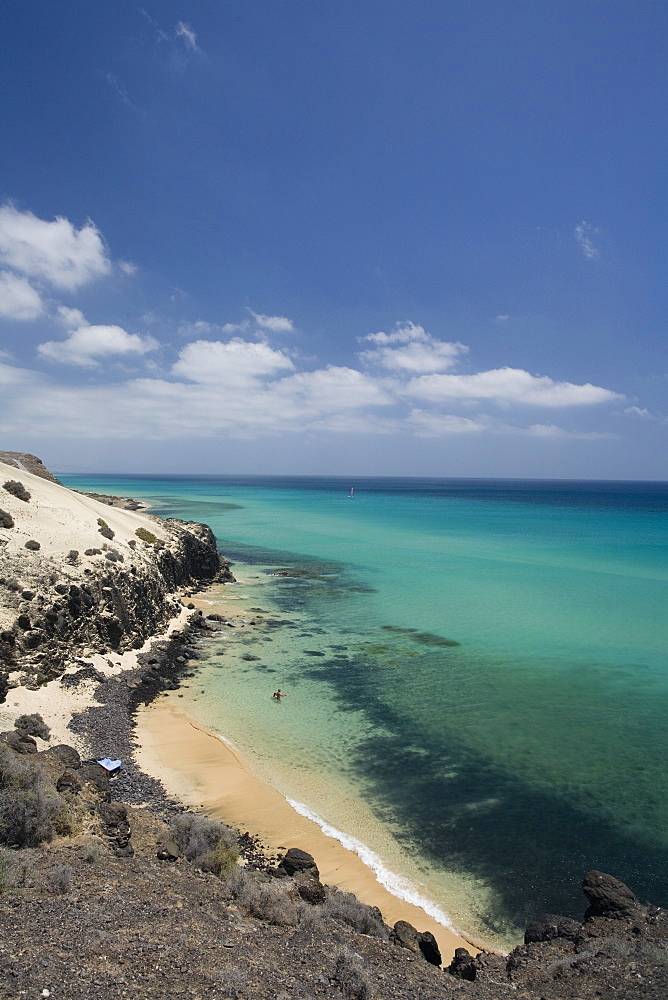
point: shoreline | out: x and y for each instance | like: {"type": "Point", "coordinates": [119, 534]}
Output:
{"type": "Point", "coordinates": [95, 703]}
{"type": "Point", "coordinates": [206, 772]}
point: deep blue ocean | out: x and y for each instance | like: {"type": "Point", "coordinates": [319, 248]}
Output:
{"type": "Point", "coordinates": [476, 674]}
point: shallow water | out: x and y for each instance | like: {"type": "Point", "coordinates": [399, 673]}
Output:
{"type": "Point", "coordinates": [475, 673]}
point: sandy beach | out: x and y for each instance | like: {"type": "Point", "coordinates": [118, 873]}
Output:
{"type": "Point", "coordinates": [194, 765]}
{"type": "Point", "coordinates": [206, 773]}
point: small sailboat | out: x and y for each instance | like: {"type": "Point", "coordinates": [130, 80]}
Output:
{"type": "Point", "coordinates": [352, 492]}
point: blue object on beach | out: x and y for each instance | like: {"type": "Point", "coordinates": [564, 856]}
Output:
{"type": "Point", "coordinates": [110, 765]}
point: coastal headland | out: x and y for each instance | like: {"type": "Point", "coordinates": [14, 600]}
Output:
{"type": "Point", "coordinates": [98, 627]}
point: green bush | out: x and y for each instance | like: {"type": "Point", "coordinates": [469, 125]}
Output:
{"type": "Point", "coordinates": [144, 535]}
{"type": "Point", "coordinates": [32, 544]}
{"type": "Point", "coordinates": [221, 861]}
{"type": "Point", "coordinates": [6, 519]}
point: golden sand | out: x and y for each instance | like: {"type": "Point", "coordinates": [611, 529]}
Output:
{"type": "Point", "coordinates": [204, 772]}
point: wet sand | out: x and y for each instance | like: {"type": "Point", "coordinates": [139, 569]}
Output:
{"type": "Point", "coordinates": [206, 773]}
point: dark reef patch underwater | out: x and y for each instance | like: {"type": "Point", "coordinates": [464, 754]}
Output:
{"type": "Point", "coordinates": [491, 656]}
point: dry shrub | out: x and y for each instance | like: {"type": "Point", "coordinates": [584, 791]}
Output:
{"type": "Point", "coordinates": [92, 851]}
{"type": "Point", "coordinates": [33, 725]}
{"type": "Point", "coordinates": [265, 900]}
{"type": "Point", "coordinates": [31, 810]}
{"type": "Point", "coordinates": [349, 973]}
{"type": "Point", "coordinates": [347, 909]}
{"type": "Point", "coordinates": [16, 870]}
{"type": "Point", "coordinates": [16, 489]}
{"type": "Point", "coordinates": [206, 842]}
{"type": "Point", "coordinates": [58, 879]}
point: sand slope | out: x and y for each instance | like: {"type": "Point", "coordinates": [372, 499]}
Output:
{"type": "Point", "coordinates": [61, 520]}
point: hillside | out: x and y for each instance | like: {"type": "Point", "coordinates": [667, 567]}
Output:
{"type": "Point", "coordinates": [108, 888]}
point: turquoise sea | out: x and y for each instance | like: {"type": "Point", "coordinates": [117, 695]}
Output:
{"type": "Point", "coordinates": [475, 670]}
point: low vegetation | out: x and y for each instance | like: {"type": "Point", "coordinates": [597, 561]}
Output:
{"type": "Point", "coordinates": [31, 810]}
{"type": "Point", "coordinates": [104, 529]}
{"type": "Point", "coordinates": [17, 490]}
{"type": "Point", "coordinates": [33, 725]}
{"type": "Point", "coordinates": [144, 535]}
{"type": "Point", "coordinates": [211, 845]}
{"type": "Point", "coordinates": [6, 519]}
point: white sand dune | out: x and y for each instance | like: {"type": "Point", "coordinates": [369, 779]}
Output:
{"type": "Point", "coordinates": [61, 520]}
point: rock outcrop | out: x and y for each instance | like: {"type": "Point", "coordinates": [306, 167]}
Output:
{"type": "Point", "coordinates": [27, 463]}
{"type": "Point", "coordinates": [56, 605]}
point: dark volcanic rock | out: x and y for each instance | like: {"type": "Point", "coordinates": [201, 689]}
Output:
{"type": "Point", "coordinates": [98, 777]}
{"type": "Point", "coordinates": [406, 935]}
{"type": "Point", "coordinates": [608, 897]}
{"type": "Point", "coordinates": [19, 741]}
{"type": "Point", "coordinates": [168, 851]}
{"type": "Point", "coordinates": [429, 948]}
{"type": "Point", "coordinates": [69, 781]}
{"type": "Point", "coordinates": [547, 927]}
{"type": "Point", "coordinates": [295, 861]}
{"type": "Point", "coordinates": [463, 965]}
{"type": "Point", "coordinates": [66, 755]}
{"type": "Point", "coordinates": [311, 890]}
{"type": "Point", "coordinates": [29, 463]}
{"type": "Point", "coordinates": [114, 817]}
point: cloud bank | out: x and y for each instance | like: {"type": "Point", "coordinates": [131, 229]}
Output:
{"type": "Point", "coordinates": [238, 378]}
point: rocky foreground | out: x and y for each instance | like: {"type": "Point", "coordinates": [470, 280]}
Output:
{"type": "Point", "coordinates": [110, 889]}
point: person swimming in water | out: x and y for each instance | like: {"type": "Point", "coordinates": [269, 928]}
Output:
{"type": "Point", "coordinates": [278, 695]}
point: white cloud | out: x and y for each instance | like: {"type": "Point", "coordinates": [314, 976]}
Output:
{"type": "Point", "coordinates": [426, 424]}
{"type": "Point", "coordinates": [277, 324]}
{"type": "Point", "coordinates": [245, 388]}
{"type": "Point", "coordinates": [231, 363]}
{"type": "Point", "coordinates": [552, 431]}
{"type": "Point", "coordinates": [508, 386]}
{"type": "Point", "coordinates": [331, 389]}
{"type": "Point", "coordinates": [127, 267]}
{"type": "Point", "coordinates": [584, 234]}
{"type": "Point", "coordinates": [18, 298]}
{"type": "Point", "coordinates": [70, 318]}
{"type": "Point", "coordinates": [86, 344]}
{"type": "Point", "coordinates": [639, 412]}
{"type": "Point", "coordinates": [409, 348]}
{"type": "Point", "coordinates": [234, 327]}
{"type": "Point", "coordinates": [10, 375]}
{"type": "Point", "coordinates": [56, 251]}
{"type": "Point", "coordinates": [187, 36]}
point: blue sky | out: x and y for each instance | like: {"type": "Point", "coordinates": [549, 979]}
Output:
{"type": "Point", "coordinates": [401, 237]}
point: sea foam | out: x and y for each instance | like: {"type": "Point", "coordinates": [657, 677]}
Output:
{"type": "Point", "coordinates": [399, 886]}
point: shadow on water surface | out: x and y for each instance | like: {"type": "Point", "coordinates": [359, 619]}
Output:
{"type": "Point", "coordinates": [465, 813]}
